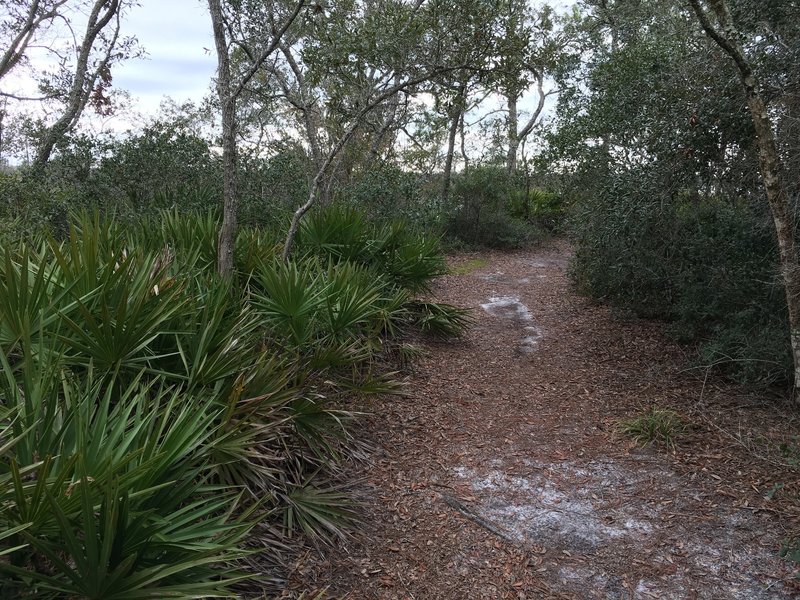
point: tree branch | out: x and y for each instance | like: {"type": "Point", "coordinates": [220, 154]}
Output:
{"type": "Point", "coordinates": [730, 47]}
{"type": "Point", "coordinates": [265, 54]}
{"type": "Point", "coordinates": [340, 144]}
{"type": "Point", "coordinates": [19, 44]}
{"type": "Point", "coordinates": [79, 91]}
{"type": "Point", "coordinates": [539, 107]}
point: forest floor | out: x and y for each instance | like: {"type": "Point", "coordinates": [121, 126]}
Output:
{"type": "Point", "coordinates": [504, 474]}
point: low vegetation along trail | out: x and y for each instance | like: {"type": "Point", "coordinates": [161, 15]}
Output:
{"type": "Point", "coordinates": [504, 474]}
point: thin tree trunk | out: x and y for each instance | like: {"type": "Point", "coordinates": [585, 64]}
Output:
{"type": "Point", "coordinates": [463, 143]}
{"type": "Point", "coordinates": [516, 136]}
{"type": "Point", "coordinates": [447, 175]}
{"type": "Point", "coordinates": [227, 98]}
{"type": "Point", "coordinates": [306, 103]}
{"type": "Point", "coordinates": [456, 116]}
{"type": "Point", "coordinates": [771, 167]}
{"type": "Point", "coordinates": [2, 131]}
{"type": "Point", "coordinates": [525, 131]}
{"type": "Point", "coordinates": [311, 122]}
{"type": "Point", "coordinates": [227, 233]}
{"type": "Point", "coordinates": [513, 139]}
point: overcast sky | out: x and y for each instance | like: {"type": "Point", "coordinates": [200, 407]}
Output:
{"type": "Point", "coordinates": [180, 62]}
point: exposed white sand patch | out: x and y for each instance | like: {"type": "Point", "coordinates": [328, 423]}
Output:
{"type": "Point", "coordinates": [494, 276]}
{"type": "Point", "coordinates": [533, 336]}
{"type": "Point", "coordinates": [508, 307]}
{"type": "Point", "coordinates": [534, 508]}
{"type": "Point", "coordinates": [573, 507]}
{"type": "Point", "coordinates": [548, 263]}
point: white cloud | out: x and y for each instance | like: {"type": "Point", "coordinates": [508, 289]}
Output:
{"type": "Point", "coordinates": [180, 58]}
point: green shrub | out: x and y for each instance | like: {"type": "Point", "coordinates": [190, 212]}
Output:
{"type": "Point", "coordinates": [442, 320]}
{"type": "Point", "coordinates": [484, 211]}
{"type": "Point", "coordinates": [656, 425]}
{"type": "Point", "coordinates": [408, 259]}
{"type": "Point", "coordinates": [624, 236]}
{"type": "Point", "coordinates": [387, 192]}
{"type": "Point", "coordinates": [707, 265]}
{"type": "Point", "coordinates": [270, 190]}
{"type": "Point", "coordinates": [105, 490]}
{"type": "Point", "coordinates": [537, 206]}
{"type": "Point", "coordinates": [162, 167]}
{"type": "Point", "coordinates": [493, 230]}
{"type": "Point", "coordinates": [534, 202]}
{"type": "Point", "coordinates": [32, 206]}
{"type": "Point", "coordinates": [151, 413]}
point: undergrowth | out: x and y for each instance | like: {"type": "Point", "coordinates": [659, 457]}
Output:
{"type": "Point", "coordinates": [158, 423]}
{"type": "Point", "coordinates": [470, 266]}
{"type": "Point", "coordinates": [708, 266]}
{"type": "Point", "coordinates": [655, 426]}
{"type": "Point", "coordinates": [492, 211]}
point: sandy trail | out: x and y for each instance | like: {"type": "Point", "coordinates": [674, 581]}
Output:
{"type": "Point", "coordinates": [503, 474]}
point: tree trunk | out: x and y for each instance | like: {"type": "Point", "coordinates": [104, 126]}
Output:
{"type": "Point", "coordinates": [456, 115]}
{"type": "Point", "coordinates": [2, 147]}
{"type": "Point", "coordinates": [462, 134]}
{"type": "Point", "coordinates": [772, 174]}
{"type": "Point", "coordinates": [228, 94]}
{"type": "Point", "coordinates": [227, 233]}
{"type": "Point", "coordinates": [305, 101]}
{"type": "Point", "coordinates": [513, 138]}
{"type": "Point", "coordinates": [448, 161]}
{"type": "Point", "coordinates": [516, 136]}
{"type": "Point", "coordinates": [770, 165]}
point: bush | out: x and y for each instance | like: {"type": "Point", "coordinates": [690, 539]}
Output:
{"type": "Point", "coordinates": [484, 211]}
{"type": "Point", "coordinates": [538, 206]}
{"type": "Point", "coordinates": [152, 413]}
{"type": "Point", "coordinates": [491, 230]}
{"type": "Point", "coordinates": [656, 425]}
{"type": "Point", "coordinates": [164, 166]}
{"type": "Point", "coordinates": [409, 259]}
{"type": "Point", "coordinates": [707, 265]}
{"type": "Point", "coordinates": [105, 461]}
{"type": "Point", "coordinates": [271, 189]}
{"type": "Point", "coordinates": [387, 192]}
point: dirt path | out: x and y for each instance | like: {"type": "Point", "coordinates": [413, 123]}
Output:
{"type": "Point", "coordinates": [503, 474]}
